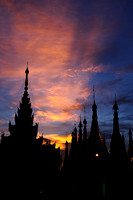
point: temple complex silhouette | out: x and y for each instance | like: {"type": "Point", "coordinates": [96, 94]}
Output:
{"type": "Point", "coordinates": [26, 160]}
{"type": "Point", "coordinates": [32, 168]}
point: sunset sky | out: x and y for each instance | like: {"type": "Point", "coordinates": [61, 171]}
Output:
{"type": "Point", "coordinates": [70, 45]}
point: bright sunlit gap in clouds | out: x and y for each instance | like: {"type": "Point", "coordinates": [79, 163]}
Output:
{"type": "Point", "coordinates": [58, 139]}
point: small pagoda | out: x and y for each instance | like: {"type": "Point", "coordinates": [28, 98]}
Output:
{"type": "Point", "coordinates": [23, 132]}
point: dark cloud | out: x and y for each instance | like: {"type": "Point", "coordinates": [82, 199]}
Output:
{"type": "Point", "coordinates": [122, 100]}
{"type": "Point", "coordinates": [127, 117]}
{"type": "Point", "coordinates": [115, 82]}
{"type": "Point", "coordinates": [127, 69]}
{"type": "Point", "coordinates": [101, 38]}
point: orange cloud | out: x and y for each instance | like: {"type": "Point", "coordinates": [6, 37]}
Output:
{"type": "Point", "coordinates": [52, 43]}
{"type": "Point", "coordinates": [50, 116]}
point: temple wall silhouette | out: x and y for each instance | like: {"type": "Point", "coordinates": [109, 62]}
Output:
{"type": "Point", "coordinates": [32, 168]}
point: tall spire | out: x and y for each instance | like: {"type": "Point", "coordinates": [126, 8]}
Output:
{"type": "Point", "coordinates": [74, 136]}
{"type": "Point", "coordinates": [115, 107]}
{"type": "Point", "coordinates": [94, 125]}
{"type": "Point", "coordinates": [24, 127]}
{"type": "Point", "coordinates": [116, 119]}
{"type": "Point", "coordinates": [117, 145]}
{"type": "Point", "coordinates": [95, 144]}
{"type": "Point", "coordinates": [26, 79]}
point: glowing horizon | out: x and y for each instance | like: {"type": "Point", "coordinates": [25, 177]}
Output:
{"type": "Point", "coordinates": [57, 139]}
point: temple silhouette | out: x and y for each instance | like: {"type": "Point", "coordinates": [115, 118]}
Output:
{"type": "Point", "coordinates": [32, 168]}
{"type": "Point", "coordinates": [30, 165]}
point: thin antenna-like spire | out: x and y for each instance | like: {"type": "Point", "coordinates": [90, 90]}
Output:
{"type": "Point", "coordinates": [115, 107]}
{"type": "Point", "coordinates": [26, 79]}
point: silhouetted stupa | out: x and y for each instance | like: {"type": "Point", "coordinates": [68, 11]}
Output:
{"type": "Point", "coordinates": [117, 145]}
{"type": "Point", "coordinates": [95, 141]}
{"type": "Point", "coordinates": [23, 132]}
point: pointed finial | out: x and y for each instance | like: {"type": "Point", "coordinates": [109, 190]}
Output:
{"type": "Point", "coordinates": [84, 122]}
{"type": "Point", "coordinates": [115, 107]}
{"type": "Point", "coordinates": [27, 71]}
{"type": "Point", "coordinates": [26, 79]}
{"type": "Point", "coordinates": [80, 123]}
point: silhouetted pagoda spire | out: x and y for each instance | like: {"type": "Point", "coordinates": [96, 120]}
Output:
{"type": "Point", "coordinates": [117, 145]}
{"type": "Point", "coordinates": [26, 79]}
{"type": "Point", "coordinates": [23, 130]}
{"type": "Point", "coordinates": [74, 136]}
{"type": "Point", "coordinates": [116, 119]}
{"type": "Point", "coordinates": [95, 139]}
{"type": "Point", "coordinates": [74, 143]}
{"type": "Point", "coordinates": [94, 125]}
{"type": "Point", "coordinates": [116, 137]}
